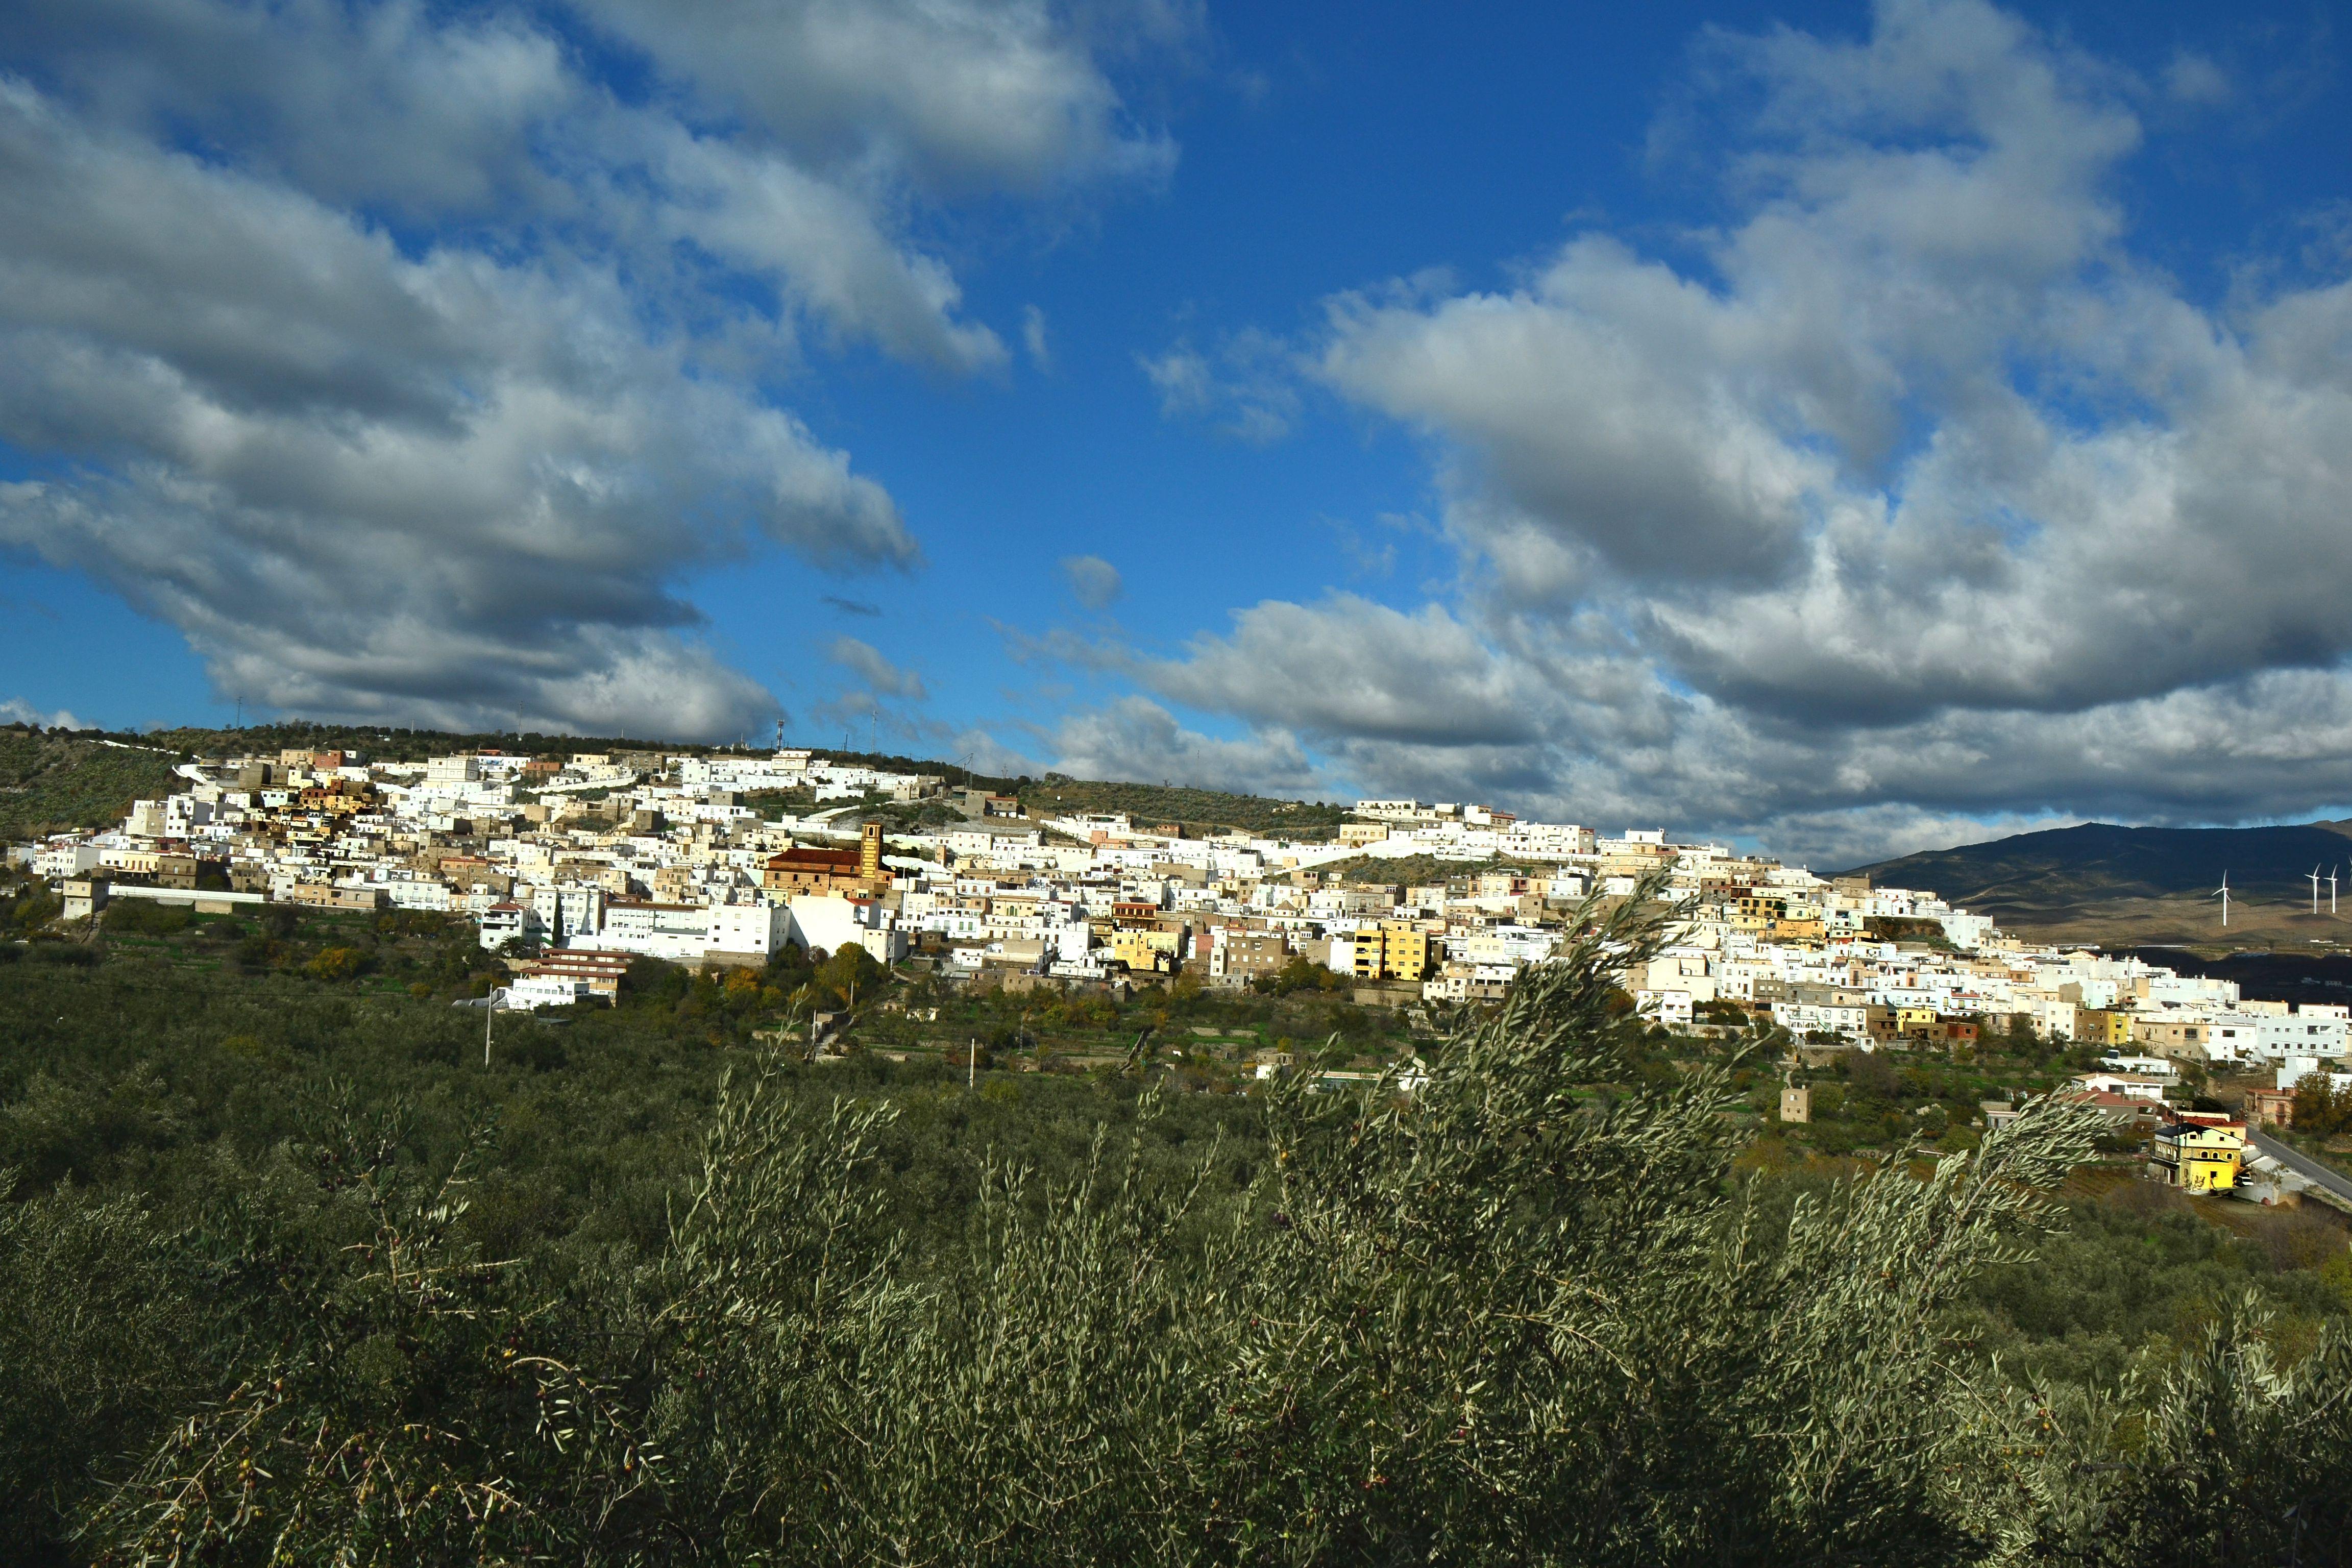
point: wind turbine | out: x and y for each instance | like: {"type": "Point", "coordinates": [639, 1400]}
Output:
{"type": "Point", "coordinates": [2223, 894]}
{"type": "Point", "coordinates": [2315, 890]}
{"type": "Point", "coordinates": [2331, 889]}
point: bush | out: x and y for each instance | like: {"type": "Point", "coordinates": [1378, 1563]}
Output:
{"type": "Point", "coordinates": [1301, 974]}
{"type": "Point", "coordinates": [335, 963]}
{"type": "Point", "coordinates": [845, 975]}
{"type": "Point", "coordinates": [2321, 1108]}
{"type": "Point", "coordinates": [144, 917]}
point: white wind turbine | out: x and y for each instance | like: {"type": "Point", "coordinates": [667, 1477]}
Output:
{"type": "Point", "coordinates": [2331, 889]}
{"type": "Point", "coordinates": [2315, 890]}
{"type": "Point", "coordinates": [2223, 894]}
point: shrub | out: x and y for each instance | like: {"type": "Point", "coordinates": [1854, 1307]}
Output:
{"type": "Point", "coordinates": [144, 917]}
{"type": "Point", "coordinates": [2321, 1108]}
{"type": "Point", "coordinates": [335, 963]}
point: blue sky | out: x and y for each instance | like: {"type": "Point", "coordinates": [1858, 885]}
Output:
{"type": "Point", "coordinates": [1844, 428]}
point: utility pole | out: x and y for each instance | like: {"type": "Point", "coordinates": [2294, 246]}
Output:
{"type": "Point", "coordinates": [490, 1006]}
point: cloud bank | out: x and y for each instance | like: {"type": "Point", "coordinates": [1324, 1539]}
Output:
{"type": "Point", "coordinates": [406, 365]}
{"type": "Point", "coordinates": [1908, 497]}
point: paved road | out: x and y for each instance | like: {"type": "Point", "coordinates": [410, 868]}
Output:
{"type": "Point", "coordinates": [2303, 1165]}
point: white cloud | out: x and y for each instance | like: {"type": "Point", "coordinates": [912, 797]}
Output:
{"type": "Point", "coordinates": [370, 485]}
{"type": "Point", "coordinates": [1917, 500]}
{"type": "Point", "coordinates": [881, 676]}
{"type": "Point", "coordinates": [1247, 386]}
{"type": "Point", "coordinates": [17, 711]}
{"type": "Point", "coordinates": [2193, 78]}
{"type": "Point", "coordinates": [1092, 581]}
{"type": "Point", "coordinates": [1135, 738]}
{"type": "Point", "coordinates": [1352, 668]}
{"type": "Point", "coordinates": [984, 753]}
{"type": "Point", "coordinates": [825, 245]}
{"type": "Point", "coordinates": [1033, 338]}
{"type": "Point", "coordinates": [450, 459]}
{"type": "Point", "coordinates": [1000, 95]}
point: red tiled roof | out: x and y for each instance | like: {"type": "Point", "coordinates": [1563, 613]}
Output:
{"type": "Point", "coordinates": [799, 858]}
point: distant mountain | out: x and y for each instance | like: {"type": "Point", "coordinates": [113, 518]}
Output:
{"type": "Point", "coordinates": [2065, 873]}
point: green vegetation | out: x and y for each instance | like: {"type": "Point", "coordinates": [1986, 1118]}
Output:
{"type": "Point", "coordinates": [288, 1274]}
{"type": "Point", "coordinates": [2321, 1109]}
{"type": "Point", "coordinates": [1922, 930]}
{"type": "Point", "coordinates": [1418, 871]}
{"type": "Point", "coordinates": [52, 781]}
{"type": "Point", "coordinates": [906, 815]}
{"type": "Point", "coordinates": [773, 804]}
{"type": "Point", "coordinates": [1880, 1100]}
{"type": "Point", "coordinates": [1192, 809]}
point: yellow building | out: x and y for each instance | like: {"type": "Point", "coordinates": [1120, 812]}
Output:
{"type": "Point", "coordinates": [2198, 1157]}
{"type": "Point", "coordinates": [2095, 1026]}
{"type": "Point", "coordinates": [2181, 1039]}
{"type": "Point", "coordinates": [1145, 949]}
{"type": "Point", "coordinates": [1394, 950]}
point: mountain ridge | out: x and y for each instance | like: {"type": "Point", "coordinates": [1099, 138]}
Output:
{"type": "Point", "coordinates": [2097, 873]}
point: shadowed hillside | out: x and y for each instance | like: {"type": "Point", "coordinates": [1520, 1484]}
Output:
{"type": "Point", "coordinates": [2100, 882]}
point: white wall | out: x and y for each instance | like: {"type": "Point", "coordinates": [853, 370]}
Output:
{"type": "Point", "coordinates": [763, 928]}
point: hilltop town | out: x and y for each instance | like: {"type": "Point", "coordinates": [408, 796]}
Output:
{"type": "Point", "coordinates": [571, 868]}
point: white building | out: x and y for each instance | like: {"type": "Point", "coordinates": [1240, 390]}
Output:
{"type": "Point", "coordinates": [2296, 1068]}
{"type": "Point", "coordinates": [536, 990]}
{"type": "Point", "coordinates": [418, 894]}
{"type": "Point", "coordinates": [2314, 1030]}
{"type": "Point", "coordinates": [567, 913]}
{"type": "Point", "coordinates": [1801, 1018]}
{"type": "Point", "coordinates": [1966, 932]}
{"type": "Point", "coordinates": [831, 923]}
{"type": "Point", "coordinates": [679, 932]}
{"type": "Point", "coordinates": [2131, 1085]}
{"type": "Point", "coordinates": [504, 923]}
{"type": "Point", "coordinates": [750, 931]}
{"type": "Point", "coordinates": [65, 857]}
{"type": "Point", "coordinates": [1672, 1008]}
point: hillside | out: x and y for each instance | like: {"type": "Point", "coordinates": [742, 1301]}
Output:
{"type": "Point", "coordinates": [53, 780]}
{"type": "Point", "coordinates": [1194, 809]}
{"type": "Point", "coordinates": [2106, 883]}
{"type": "Point", "coordinates": [85, 779]}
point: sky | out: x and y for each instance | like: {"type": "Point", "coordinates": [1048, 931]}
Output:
{"type": "Point", "coordinates": [1840, 429]}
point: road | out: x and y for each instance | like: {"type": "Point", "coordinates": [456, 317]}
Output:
{"type": "Point", "coordinates": [2303, 1165]}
